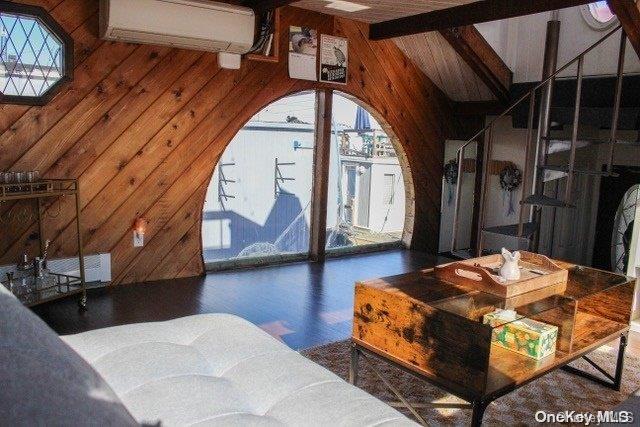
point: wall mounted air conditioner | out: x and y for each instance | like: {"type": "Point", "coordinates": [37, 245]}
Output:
{"type": "Point", "coordinates": [189, 24]}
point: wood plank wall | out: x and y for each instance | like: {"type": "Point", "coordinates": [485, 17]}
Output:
{"type": "Point", "coordinates": [143, 127]}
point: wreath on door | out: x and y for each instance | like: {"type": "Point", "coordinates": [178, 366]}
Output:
{"type": "Point", "coordinates": [510, 180]}
{"type": "Point", "coordinates": [450, 178]}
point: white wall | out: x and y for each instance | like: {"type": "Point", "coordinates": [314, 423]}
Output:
{"type": "Point", "coordinates": [466, 202]}
{"type": "Point", "coordinates": [520, 43]}
{"type": "Point", "coordinates": [384, 218]}
{"type": "Point", "coordinates": [508, 145]}
{"type": "Point", "coordinates": [254, 176]}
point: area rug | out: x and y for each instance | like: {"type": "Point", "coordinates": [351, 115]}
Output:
{"type": "Point", "coordinates": [555, 392]}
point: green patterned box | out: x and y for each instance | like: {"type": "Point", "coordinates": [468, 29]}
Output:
{"type": "Point", "coordinates": [525, 336]}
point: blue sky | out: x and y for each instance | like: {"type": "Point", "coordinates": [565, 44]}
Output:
{"type": "Point", "coordinates": [43, 44]}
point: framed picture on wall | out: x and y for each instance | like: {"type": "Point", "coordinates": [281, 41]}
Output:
{"type": "Point", "coordinates": [334, 59]}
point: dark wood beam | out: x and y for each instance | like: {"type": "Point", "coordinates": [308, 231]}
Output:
{"type": "Point", "coordinates": [467, 14]}
{"type": "Point", "coordinates": [628, 12]}
{"type": "Point", "coordinates": [260, 6]}
{"type": "Point", "coordinates": [322, 155]}
{"type": "Point", "coordinates": [483, 60]}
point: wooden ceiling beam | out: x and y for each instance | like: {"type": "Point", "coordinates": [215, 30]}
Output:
{"type": "Point", "coordinates": [260, 6]}
{"type": "Point", "coordinates": [467, 14]}
{"type": "Point", "coordinates": [483, 60]}
{"type": "Point", "coordinates": [628, 12]}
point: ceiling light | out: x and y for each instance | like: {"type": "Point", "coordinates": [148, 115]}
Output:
{"type": "Point", "coordinates": [347, 6]}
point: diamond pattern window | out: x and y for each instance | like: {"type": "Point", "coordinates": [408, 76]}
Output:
{"type": "Point", "coordinates": [35, 55]}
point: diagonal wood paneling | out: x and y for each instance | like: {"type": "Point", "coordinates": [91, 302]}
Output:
{"type": "Point", "coordinates": [142, 127]}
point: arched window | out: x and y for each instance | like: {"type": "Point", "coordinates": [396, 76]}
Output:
{"type": "Point", "coordinates": [36, 55]}
{"type": "Point", "coordinates": [259, 201]}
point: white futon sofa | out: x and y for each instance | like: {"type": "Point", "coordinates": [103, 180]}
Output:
{"type": "Point", "coordinates": [212, 369]}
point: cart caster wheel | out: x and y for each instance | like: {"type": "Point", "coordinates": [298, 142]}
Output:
{"type": "Point", "coordinates": [82, 303]}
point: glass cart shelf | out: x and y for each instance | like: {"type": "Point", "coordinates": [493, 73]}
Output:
{"type": "Point", "coordinates": [32, 290]}
{"type": "Point", "coordinates": [27, 288]}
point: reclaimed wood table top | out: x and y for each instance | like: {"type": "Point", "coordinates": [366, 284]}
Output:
{"type": "Point", "coordinates": [400, 318]}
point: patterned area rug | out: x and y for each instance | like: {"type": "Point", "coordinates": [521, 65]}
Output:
{"type": "Point", "coordinates": [554, 392]}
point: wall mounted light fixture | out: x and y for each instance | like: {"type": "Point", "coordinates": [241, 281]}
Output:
{"type": "Point", "coordinates": [139, 230]}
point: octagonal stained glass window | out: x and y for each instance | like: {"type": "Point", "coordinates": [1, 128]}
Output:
{"type": "Point", "coordinates": [34, 55]}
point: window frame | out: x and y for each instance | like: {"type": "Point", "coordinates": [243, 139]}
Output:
{"type": "Point", "coordinates": [594, 23]}
{"type": "Point", "coordinates": [55, 28]}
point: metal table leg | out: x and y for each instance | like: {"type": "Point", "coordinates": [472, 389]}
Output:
{"type": "Point", "coordinates": [478, 407]}
{"type": "Point", "coordinates": [353, 366]}
{"type": "Point", "coordinates": [611, 381]}
{"type": "Point", "coordinates": [620, 362]}
{"type": "Point", "coordinates": [357, 353]}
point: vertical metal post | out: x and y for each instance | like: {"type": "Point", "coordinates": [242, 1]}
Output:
{"type": "Point", "coordinates": [618, 96]}
{"type": "Point", "coordinates": [456, 207]}
{"type": "Point", "coordinates": [549, 67]}
{"type": "Point", "coordinates": [83, 300]}
{"type": "Point", "coordinates": [574, 133]}
{"type": "Point", "coordinates": [485, 184]}
{"type": "Point", "coordinates": [275, 179]}
{"type": "Point", "coordinates": [532, 106]}
{"type": "Point", "coordinates": [40, 227]}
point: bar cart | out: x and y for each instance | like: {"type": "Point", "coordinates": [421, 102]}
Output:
{"type": "Point", "coordinates": [35, 286]}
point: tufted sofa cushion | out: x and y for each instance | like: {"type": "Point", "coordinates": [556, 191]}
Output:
{"type": "Point", "coordinates": [45, 383]}
{"type": "Point", "coordinates": [218, 369]}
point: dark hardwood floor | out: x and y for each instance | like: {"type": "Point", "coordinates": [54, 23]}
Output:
{"type": "Point", "coordinates": [304, 304]}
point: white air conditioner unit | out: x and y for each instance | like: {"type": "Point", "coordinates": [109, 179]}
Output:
{"type": "Point", "coordinates": [189, 24]}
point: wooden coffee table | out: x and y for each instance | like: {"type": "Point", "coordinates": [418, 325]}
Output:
{"type": "Point", "coordinates": [433, 329]}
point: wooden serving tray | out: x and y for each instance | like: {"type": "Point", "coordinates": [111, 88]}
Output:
{"type": "Point", "coordinates": [537, 272]}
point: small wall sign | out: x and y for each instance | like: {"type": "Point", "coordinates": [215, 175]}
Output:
{"type": "Point", "coordinates": [334, 59]}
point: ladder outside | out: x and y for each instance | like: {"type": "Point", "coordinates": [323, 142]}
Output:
{"type": "Point", "coordinates": [279, 179]}
{"type": "Point", "coordinates": [223, 182]}
{"type": "Point", "coordinates": [527, 229]}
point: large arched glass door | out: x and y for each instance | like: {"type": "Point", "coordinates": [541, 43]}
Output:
{"type": "Point", "coordinates": [366, 201]}
{"type": "Point", "coordinates": [259, 201]}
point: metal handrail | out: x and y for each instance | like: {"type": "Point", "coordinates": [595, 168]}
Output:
{"type": "Point", "coordinates": [531, 92]}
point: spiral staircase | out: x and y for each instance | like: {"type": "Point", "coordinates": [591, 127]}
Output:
{"type": "Point", "coordinates": [540, 145]}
